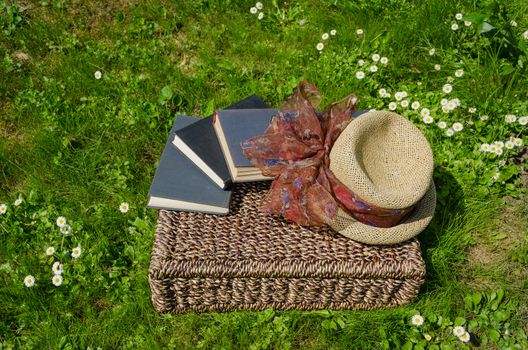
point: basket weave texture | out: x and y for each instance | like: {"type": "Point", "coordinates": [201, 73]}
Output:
{"type": "Point", "coordinates": [249, 261]}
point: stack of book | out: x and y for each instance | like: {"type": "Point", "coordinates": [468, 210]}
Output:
{"type": "Point", "coordinates": [203, 157]}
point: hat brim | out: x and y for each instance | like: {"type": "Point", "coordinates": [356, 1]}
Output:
{"type": "Point", "coordinates": [410, 227]}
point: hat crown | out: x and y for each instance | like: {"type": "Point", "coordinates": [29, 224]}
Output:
{"type": "Point", "coordinates": [384, 159]}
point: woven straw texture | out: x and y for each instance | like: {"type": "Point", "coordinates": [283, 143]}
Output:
{"type": "Point", "coordinates": [386, 160]}
{"type": "Point", "coordinates": [410, 227]}
{"type": "Point", "coordinates": [248, 261]}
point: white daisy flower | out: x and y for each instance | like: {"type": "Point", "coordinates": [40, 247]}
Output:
{"type": "Point", "coordinates": [319, 46]}
{"type": "Point", "coordinates": [513, 23]}
{"type": "Point", "coordinates": [454, 27]}
{"type": "Point", "coordinates": [499, 151]}
{"type": "Point", "coordinates": [260, 15]}
{"type": "Point", "coordinates": [458, 331]}
{"type": "Point", "coordinates": [485, 147]}
{"type": "Point", "coordinates": [415, 105]}
{"type": "Point", "coordinates": [66, 229]}
{"type": "Point", "coordinates": [387, 95]}
{"type": "Point", "coordinates": [523, 120]}
{"type": "Point", "coordinates": [496, 176]}
{"type": "Point", "coordinates": [29, 281]}
{"type": "Point", "coordinates": [425, 112]}
{"type": "Point", "coordinates": [445, 109]}
{"type": "Point", "coordinates": [518, 142]}
{"type": "Point", "coordinates": [50, 251]}
{"type": "Point", "coordinates": [253, 10]}
{"type": "Point", "coordinates": [361, 63]}
{"type": "Point", "coordinates": [382, 92]}
{"type": "Point", "coordinates": [76, 252]}
{"type": "Point", "coordinates": [459, 73]}
{"type": "Point", "coordinates": [417, 320]}
{"type": "Point", "coordinates": [457, 127]}
{"type": "Point", "coordinates": [359, 31]}
{"type": "Point", "coordinates": [398, 96]}
{"type": "Point", "coordinates": [499, 144]}
{"type": "Point", "coordinates": [437, 67]}
{"type": "Point", "coordinates": [444, 101]}
{"type": "Point", "coordinates": [456, 101]}
{"type": "Point", "coordinates": [484, 117]}
{"type": "Point", "coordinates": [442, 124]}
{"type": "Point", "coordinates": [509, 144]}
{"type": "Point", "coordinates": [98, 75]}
{"type": "Point", "coordinates": [325, 36]}
{"type": "Point", "coordinates": [472, 110]}
{"type": "Point", "coordinates": [61, 221]}
{"type": "Point", "coordinates": [459, 16]}
{"type": "Point", "coordinates": [376, 57]}
{"type": "Point", "coordinates": [333, 32]}
{"type": "Point", "coordinates": [428, 119]}
{"type": "Point", "coordinates": [3, 209]}
{"type": "Point", "coordinates": [393, 106]}
{"type": "Point", "coordinates": [450, 79]}
{"type": "Point", "coordinates": [493, 148]}
{"type": "Point", "coordinates": [404, 103]}
{"type": "Point", "coordinates": [373, 68]}
{"type": "Point", "coordinates": [360, 75]}
{"type": "Point", "coordinates": [56, 280]}
{"type": "Point", "coordinates": [464, 337]}
{"type": "Point", "coordinates": [427, 337]}
{"type": "Point", "coordinates": [510, 118]}
{"type": "Point", "coordinates": [123, 207]}
{"type": "Point", "coordinates": [432, 51]}
{"type": "Point", "coordinates": [447, 88]}
{"type": "Point", "coordinates": [18, 201]}
{"type": "Point", "coordinates": [451, 105]}
{"type": "Point", "coordinates": [259, 5]}
{"type": "Point", "coordinates": [525, 35]}
{"type": "Point", "coordinates": [468, 23]}
{"type": "Point", "coordinates": [57, 268]}
{"type": "Point", "coordinates": [450, 132]}
{"type": "Point", "coordinates": [404, 94]}
{"type": "Point", "coordinates": [384, 60]}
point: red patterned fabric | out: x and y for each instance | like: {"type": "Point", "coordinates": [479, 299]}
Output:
{"type": "Point", "coordinates": [295, 150]}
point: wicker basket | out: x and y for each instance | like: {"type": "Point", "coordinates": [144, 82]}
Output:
{"type": "Point", "coordinates": [248, 261]}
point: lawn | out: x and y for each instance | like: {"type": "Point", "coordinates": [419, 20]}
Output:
{"type": "Point", "coordinates": [89, 90]}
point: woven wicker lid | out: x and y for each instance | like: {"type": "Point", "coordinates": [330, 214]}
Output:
{"type": "Point", "coordinates": [385, 159]}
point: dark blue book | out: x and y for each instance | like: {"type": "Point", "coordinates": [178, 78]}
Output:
{"type": "Point", "coordinates": [199, 143]}
{"type": "Point", "coordinates": [179, 185]}
{"type": "Point", "coordinates": [237, 125]}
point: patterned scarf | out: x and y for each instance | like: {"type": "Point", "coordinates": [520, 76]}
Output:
{"type": "Point", "coordinates": [295, 150]}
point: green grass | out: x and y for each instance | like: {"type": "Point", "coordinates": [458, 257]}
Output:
{"type": "Point", "coordinates": [76, 146]}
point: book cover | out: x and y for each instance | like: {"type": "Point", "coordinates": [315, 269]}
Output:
{"type": "Point", "coordinates": [234, 126]}
{"type": "Point", "coordinates": [199, 143]}
{"type": "Point", "coordinates": [179, 185]}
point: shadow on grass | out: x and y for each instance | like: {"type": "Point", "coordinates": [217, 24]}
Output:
{"type": "Point", "coordinates": [442, 243]}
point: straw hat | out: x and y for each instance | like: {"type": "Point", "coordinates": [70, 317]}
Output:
{"type": "Point", "coordinates": [384, 159]}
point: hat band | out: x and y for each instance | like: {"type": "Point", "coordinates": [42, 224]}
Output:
{"type": "Point", "coordinates": [295, 150]}
{"type": "Point", "coordinates": [355, 206]}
